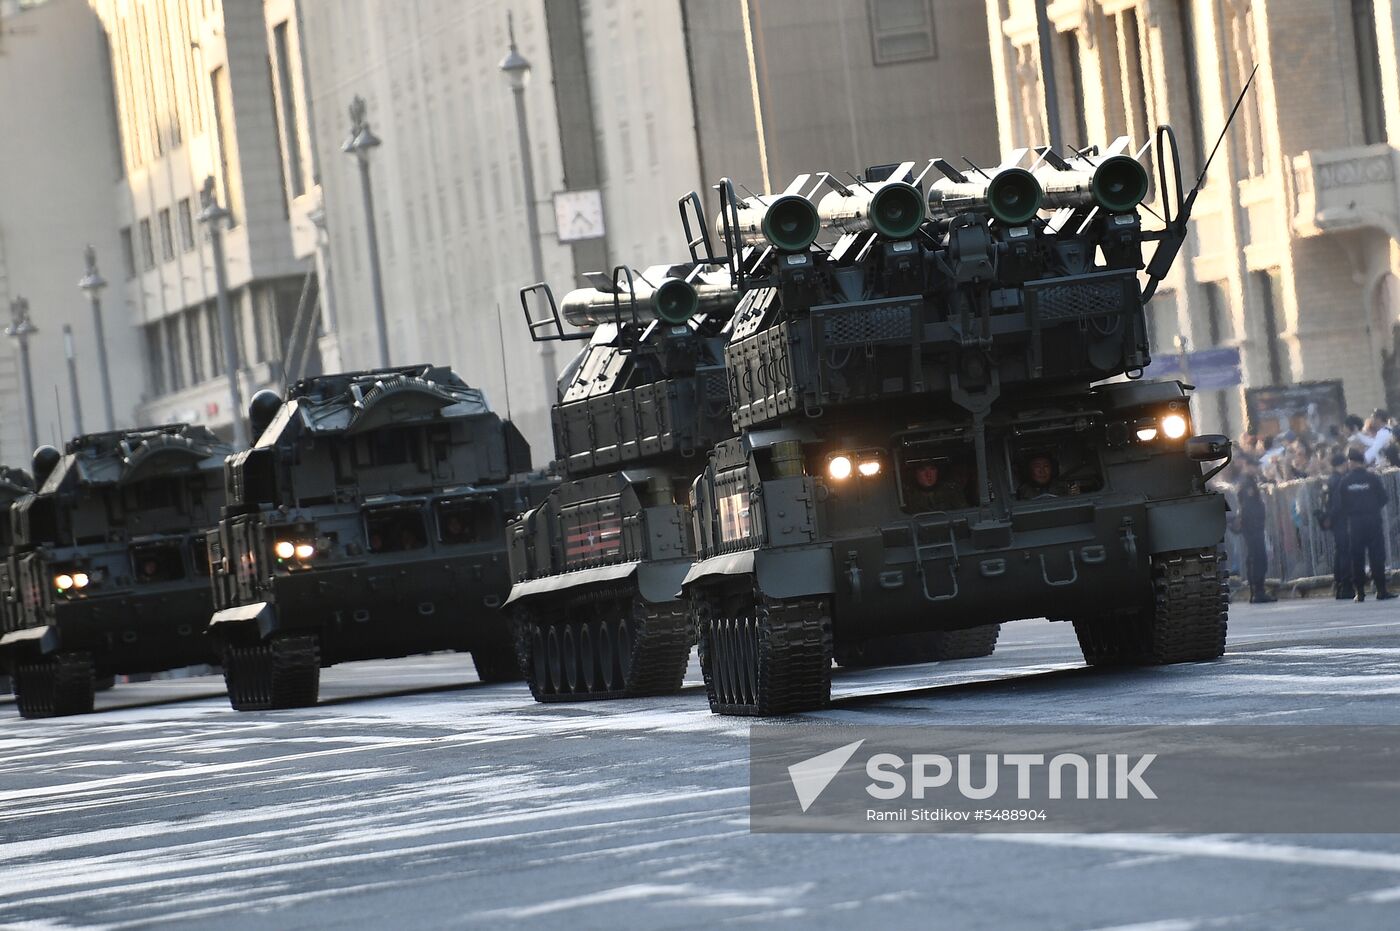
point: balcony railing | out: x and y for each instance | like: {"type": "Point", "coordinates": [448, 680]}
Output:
{"type": "Point", "coordinates": [1347, 189]}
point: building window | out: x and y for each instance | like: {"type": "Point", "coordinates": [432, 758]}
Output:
{"type": "Point", "coordinates": [232, 199]}
{"type": "Point", "coordinates": [1242, 56]}
{"type": "Point", "coordinates": [1270, 286]}
{"type": "Point", "coordinates": [296, 183]}
{"type": "Point", "coordinates": [148, 247]}
{"type": "Point", "coordinates": [1368, 70]}
{"type": "Point", "coordinates": [902, 30]}
{"type": "Point", "coordinates": [172, 353]}
{"type": "Point", "coordinates": [186, 225]}
{"type": "Point", "coordinates": [1193, 84]}
{"type": "Point", "coordinates": [128, 253]}
{"type": "Point", "coordinates": [1069, 42]}
{"type": "Point", "coordinates": [1136, 80]}
{"type": "Point", "coordinates": [155, 360]}
{"type": "Point", "coordinates": [167, 236]}
{"type": "Point", "coordinates": [194, 327]}
{"type": "Point", "coordinates": [216, 340]}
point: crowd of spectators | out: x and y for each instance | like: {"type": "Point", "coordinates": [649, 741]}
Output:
{"type": "Point", "coordinates": [1344, 454]}
{"type": "Point", "coordinates": [1293, 455]}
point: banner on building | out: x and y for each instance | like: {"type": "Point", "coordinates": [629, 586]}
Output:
{"type": "Point", "coordinates": [1310, 406]}
{"type": "Point", "coordinates": [1208, 369]}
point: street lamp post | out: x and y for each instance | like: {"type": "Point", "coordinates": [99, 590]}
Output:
{"type": "Point", "coordinates": [213, 217]}
{"type": "Point", "coordinates": [20, 329]}
{"type": "Point", "coordinates": [360, 143]}
{"type": "Point", "coordinates": [73, 379]}
{"type": "Point", "coordinates": [92, 283]}
{"type": "Point", "coordinates": [517, 72]}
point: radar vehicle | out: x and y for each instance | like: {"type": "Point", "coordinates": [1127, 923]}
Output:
{"type": "Point", "coordinates": [936, 379]}
{"type": "Point", "coordinates": [597, 567]}
{"type": "Point", "coordinates": [108, 564]}
{"type": "Point", "coordinates": [14, 484]}
{"type": "Point", "coordinates": [367, 521]}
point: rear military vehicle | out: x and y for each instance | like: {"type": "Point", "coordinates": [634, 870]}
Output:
{"type": "Point", "coordinates": [935, 435]}
{"type": "Point", "coordinates": [367, 521]}
{"type": "Point", "coordinates": [14, 484]}
{"type": "Point", "coordinates": [597, 567]}
{"type": "Point", "coordinates": [108, 567]}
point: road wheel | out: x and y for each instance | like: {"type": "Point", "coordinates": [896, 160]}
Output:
{"type": "Point", "coordinates": [55, 686]}
{"type": "Point", "coordinates": [766, 658]}
{"type": "Point", "coordinates": [285, 673]}
{"type": "Point", "coordinates": [929, 647]}
{"type": "Point", "coordinates": [1186, 622]}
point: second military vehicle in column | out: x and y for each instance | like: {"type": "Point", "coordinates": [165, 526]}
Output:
{"type": "Point", "coordinates": [14, 484]}
{"type": "Point", "coordinates": [597, 567]}
{"type": "Point", "coordinates": [367, 521]}
{"type": "Point", "coordinates": [108, 563]}
{"type": "Point", "coordinates": [932, 442]}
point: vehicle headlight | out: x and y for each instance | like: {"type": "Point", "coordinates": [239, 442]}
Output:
{"type": "Point", "coordinates": [1147, 434]}
{"type": "Point", "coordinates": [305, 551]}
{"type": "Point", "coordinates": [869, 467]}
{"type": "Point", "coordinates": [839, 467]}
{"type": "Point", "coordinates": [1173, 426]}
{"type": "Point", "coordinates": [284, 549]}
{"type": "Point", "coordinates": [63, 581]}
{"type": "Point", "coordinates": [80, 580]}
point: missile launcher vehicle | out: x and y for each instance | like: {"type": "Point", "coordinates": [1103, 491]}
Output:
{"type": "Point", "coordinates": [14, 484]}
{"type": "Point", "coordinates": [365, 522]}
{"type": "Point", "coordinates": [942, 426]}
{"type": "Point", "coordinates": [108, 572]}
{"type": "Point", "coordinates": [597, 567]}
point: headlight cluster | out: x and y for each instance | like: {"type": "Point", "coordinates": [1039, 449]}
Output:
{"type": "Point", "coordinates": [71, 581]}
{"type": "Point", "coordinates": [866, 463]}
{"type": "Point", "coordinates": [1171, 426]}
{"type": "Point", "coordinates": [300, 550]}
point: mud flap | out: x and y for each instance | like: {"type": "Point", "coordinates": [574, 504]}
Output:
{"type": "Point", "coordinates": [44, 640]}
{"type": "Point", "coordinates": [779, 574]}
{"type": "Point", "coordinates": [1193, 523]}
{"type": "Point", "coordinates": [229, 620]}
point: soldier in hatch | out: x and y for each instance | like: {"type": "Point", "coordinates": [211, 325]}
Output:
{"type": "Point", "coordinates": [1042, 480]}
{"type": "Point", "coordinates": [932, 491]}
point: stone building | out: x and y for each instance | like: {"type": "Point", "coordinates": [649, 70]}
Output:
{"type": "Point", "coordinates": [639, 101]}
{"type": "Point", "coordinates": [1293, 256]}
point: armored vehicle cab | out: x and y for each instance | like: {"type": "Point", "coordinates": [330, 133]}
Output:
{"type": "Point", "coordinates": [14, 484]}
{"type": "Point", "coordinates": [366, 522]}
{"type": "Point", "coordinates": [936, 434]}
{"type": "Point", "coordinates": [108, 563]}
{"type": "Point", "coordinates": [597, 567]}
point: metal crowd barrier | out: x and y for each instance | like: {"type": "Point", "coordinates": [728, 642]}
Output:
{"type": "Point", "coordinates": [1300, 549]}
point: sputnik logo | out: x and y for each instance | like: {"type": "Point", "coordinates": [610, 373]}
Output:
{"type": "Point", "coordinates": [811, 777]}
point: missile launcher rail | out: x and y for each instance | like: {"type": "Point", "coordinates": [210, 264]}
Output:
{"type": "Point", "coordinates": [930, 440]}
{"type": "Point", "coordinates": [597, 567]}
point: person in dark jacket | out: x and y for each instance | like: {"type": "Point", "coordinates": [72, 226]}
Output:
{"type": "Point", "coordinates": [1360, 500]}
{"type": "Point", "coordinates": [1341, 543]}
{"type": "Point", "coordinates": [1251, 525]}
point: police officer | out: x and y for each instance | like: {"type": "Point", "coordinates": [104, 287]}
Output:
{"type": "Point", "coordinates": [1252, 521]}
{"type": "Point", "coordinates": [1337, 523]}
{"type": "Point", "coordinates": [1360, 500]}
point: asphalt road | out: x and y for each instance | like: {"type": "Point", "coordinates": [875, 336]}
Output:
{"type": "Point", "coordinates": [414, 796]}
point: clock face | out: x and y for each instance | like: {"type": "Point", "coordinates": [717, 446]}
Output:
{"type": "Point", "coordinates": [578, 215]}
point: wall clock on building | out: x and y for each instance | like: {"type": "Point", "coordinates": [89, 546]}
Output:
{"type": "Point", "coordinates": [578, 215]}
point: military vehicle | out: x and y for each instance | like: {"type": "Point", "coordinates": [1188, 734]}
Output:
{"type": "Point", "coordinates": [597, 567]}
{"type": "Point", "coordinates": [108, 563]}
{"type": "Point", "coordinates": [944, 427]}
{"type": "Point", "coordinates": [14, 484]}
{"type": "Point", "coordinates": [366, 522]}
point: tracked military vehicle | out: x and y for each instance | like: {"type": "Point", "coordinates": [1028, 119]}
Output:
{"type": "Point", "coordinates": [108, 563]}
{"type": "Point", "coordinates": [366, 522]}
{"type": "Point", "coordinates": [597, 567]}
{"type": "Point", "coordinates": [14, 484]}
{"type": "Point", "coordinates": [927, 370]}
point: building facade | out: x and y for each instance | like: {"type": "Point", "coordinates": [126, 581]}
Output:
{"type": "Point", "coordinates": [1293, 254]}
{"type": "Point", "coordinates": [197, 96]}
{"type": "Point", "coordinates": [637, 100]}
{"type": "Point", "coordinates": [58, 162]}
